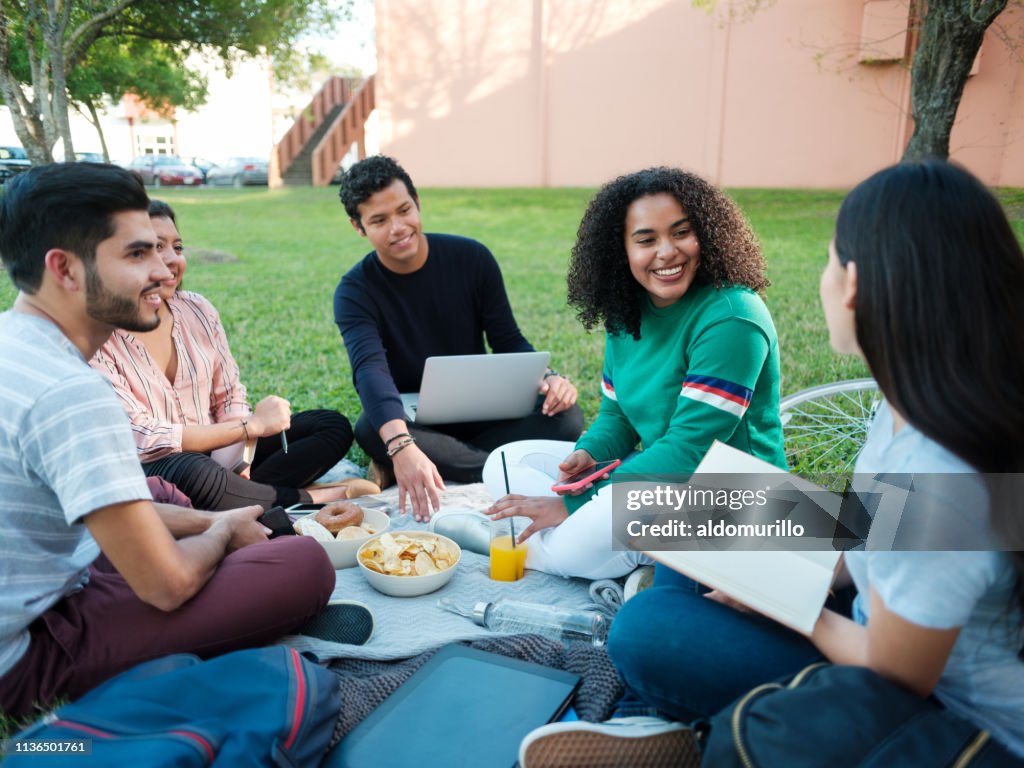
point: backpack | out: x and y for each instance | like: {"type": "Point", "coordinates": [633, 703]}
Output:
{"type": "Point", "coordinates": [845, 716]}
{"type": "Point", "coordinates": [265, 706]}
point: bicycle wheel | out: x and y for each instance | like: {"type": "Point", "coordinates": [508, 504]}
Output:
{"type": "Point", "coordinates": [824, 428]}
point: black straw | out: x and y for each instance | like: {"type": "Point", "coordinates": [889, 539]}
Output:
{"type": "Point", "coordinates": [511, 522]}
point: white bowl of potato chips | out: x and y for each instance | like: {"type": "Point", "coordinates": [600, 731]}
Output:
{"type": "Point", "coordinates": [408, 563]}
{"type": "Point", "coordinates": [342, 546]}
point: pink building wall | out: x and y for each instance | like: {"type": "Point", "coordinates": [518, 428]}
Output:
{"type": "Point", "coordinates": [574, 92]}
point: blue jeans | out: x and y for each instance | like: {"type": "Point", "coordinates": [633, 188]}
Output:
{"type": "Point", "coordinates": [685, 657]}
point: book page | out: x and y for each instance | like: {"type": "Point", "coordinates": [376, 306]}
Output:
{"type": "Point", "coordinates": [785, 586]}
{"type": "Point", "coordinates": [790, 587]}
{"type": "Point", "coordinates": [236, 456]}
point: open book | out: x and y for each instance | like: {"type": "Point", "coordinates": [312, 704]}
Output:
{"type": "Point", "coordinates": [236, 456]}
{"type": "Point", "coordinates": [790, 587]}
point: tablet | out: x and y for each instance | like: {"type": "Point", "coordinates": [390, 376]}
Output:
{"type": "Point", "coordinates": [463, 707]}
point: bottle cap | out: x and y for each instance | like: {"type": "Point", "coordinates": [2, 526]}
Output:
{"type": "Point", "coordinates": [480, 613]}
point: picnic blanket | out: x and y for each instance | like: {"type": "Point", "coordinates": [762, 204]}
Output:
{"type": "Point", "coordinates": [409, 626]}
{"type": "Point", "coordinates": [409, 630]}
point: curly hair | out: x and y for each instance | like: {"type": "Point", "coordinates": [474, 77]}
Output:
{"type": "Point", "coordinates": [366, 178]}
{"type": "Point", "coordinates": [601, 285]}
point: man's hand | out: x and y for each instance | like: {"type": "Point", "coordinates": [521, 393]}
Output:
{"type": "Point", "coordinates": [543, 511]}
{"type": "Point", "coordinates": [243, 525]}
{"type": "Point", "coordinates": [418, 482]}
{"type": "Point", "coordinates": [271, 416]}
{"type": "Point", "coordinates": [560, 395]}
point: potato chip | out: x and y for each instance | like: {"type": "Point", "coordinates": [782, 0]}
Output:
{"type": "Point", "coordinates": [403, 555]}
{"type": "Point", "coordinates": [424, 564]}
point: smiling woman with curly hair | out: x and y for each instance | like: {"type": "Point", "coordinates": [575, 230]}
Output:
{"type": "Point", "coordinates": [671, 268]}
{"type": "Point", "coordinates": [601, 284]}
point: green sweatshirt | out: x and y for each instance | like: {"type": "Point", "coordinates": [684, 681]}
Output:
{"type": "Point", "coordinates": [705, 368]}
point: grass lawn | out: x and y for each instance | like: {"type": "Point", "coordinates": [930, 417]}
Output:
{"type": "Point", "coordinates": [270, 260]}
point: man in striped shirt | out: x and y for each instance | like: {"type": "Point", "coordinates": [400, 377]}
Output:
{"type": "Point", "coordinates": [94, 577]}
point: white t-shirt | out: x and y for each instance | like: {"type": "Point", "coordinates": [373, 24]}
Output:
{"type": "Point", "coordinates": [66, 450]}
{"type": "Point", "coordinates": [983, 680]}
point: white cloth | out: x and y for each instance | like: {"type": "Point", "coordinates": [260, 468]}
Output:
{"type": "Point", "coordinates": [582, 545]}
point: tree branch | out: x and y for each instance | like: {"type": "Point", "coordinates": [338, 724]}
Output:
{"type": "Point", "coordinates": [85, 34]}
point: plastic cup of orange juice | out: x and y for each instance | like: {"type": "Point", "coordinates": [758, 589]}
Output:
{"type": "Point", "coordinates": [508, 563]}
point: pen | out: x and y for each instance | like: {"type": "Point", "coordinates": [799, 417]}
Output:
{"type": "Point", "coordinates": [284, 443]}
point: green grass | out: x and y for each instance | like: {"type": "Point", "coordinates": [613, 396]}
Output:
{"type": "Point", "coordinates": [293, 245]}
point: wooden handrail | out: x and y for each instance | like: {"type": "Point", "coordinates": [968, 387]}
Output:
{"type": "Point", "coordinates": [336, 91]}
{"type": "Point", "coordinates": [347, 129]}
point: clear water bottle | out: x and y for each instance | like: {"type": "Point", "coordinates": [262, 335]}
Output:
{"type": "Point", "coordinates": [555, 622]}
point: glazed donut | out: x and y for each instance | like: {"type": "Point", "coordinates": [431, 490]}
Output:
{"type": "Point", "coordinates": [338, 515]}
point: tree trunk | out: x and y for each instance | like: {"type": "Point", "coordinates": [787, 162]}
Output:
{"type": "Point", "coordinates": [56, 28]}
{"type": "Point", "coordinates": [950, 36]}
{"type": "Point", "coordinates": [95, 119]}
{"type": "Point", "coordinates": [28, 124]}
{"type": "Point", "coordinates": [29, 131]}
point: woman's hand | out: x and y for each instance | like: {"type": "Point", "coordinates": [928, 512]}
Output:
{"type": "Point", "coordinates": [271, 416]}
{"type": "Point", "coordinates": [543, 511]}
{"type": "Point", "coordinates": [577, 461]}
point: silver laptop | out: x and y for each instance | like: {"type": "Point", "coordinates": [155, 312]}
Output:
{"type": "Point", "coordinates": [460, 388]}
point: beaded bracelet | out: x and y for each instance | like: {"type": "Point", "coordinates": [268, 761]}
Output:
{"type": "Point", "coordinates": [392, 439]}
{"type": "Point", "coordinates": [392, 452]}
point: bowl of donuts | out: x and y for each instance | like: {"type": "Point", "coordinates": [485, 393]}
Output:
{"type": "Point", "coordinates": [342, 527]}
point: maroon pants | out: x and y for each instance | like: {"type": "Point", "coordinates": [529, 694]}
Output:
{"type": "Point", "coordinates": [258, 594]}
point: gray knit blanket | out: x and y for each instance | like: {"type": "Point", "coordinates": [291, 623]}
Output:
{"type": "Point", "coordinates": [365, 684]}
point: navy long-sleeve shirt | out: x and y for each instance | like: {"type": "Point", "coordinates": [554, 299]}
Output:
{"type": "Point", "coordinates": [392, 323]}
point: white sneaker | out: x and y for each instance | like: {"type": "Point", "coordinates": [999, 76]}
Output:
{"type": "Point", "coordinates": [624, 742]}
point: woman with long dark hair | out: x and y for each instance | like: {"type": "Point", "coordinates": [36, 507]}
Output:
{"type": "Point", "coordinates": [925, 282]}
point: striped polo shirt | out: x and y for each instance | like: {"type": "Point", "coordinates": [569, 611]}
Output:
{"type": "Point", "coordinates": [65, 450]}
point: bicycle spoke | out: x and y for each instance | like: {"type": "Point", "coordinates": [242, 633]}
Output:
{"type": "Point", "coordinates": [825, 431]}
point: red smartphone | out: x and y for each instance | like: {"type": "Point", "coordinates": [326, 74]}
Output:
{"type": "Point", "coordinates": [586, 476]}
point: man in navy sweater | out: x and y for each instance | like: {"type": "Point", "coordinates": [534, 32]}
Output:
{"type": "Point", "coordinates": [416, 296]}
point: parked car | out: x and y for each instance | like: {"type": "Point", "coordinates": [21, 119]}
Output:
{"type": "Point", "coordinates": [239, 172]}
{"type": "Point", "coordinates": [89, 157]}
{"type": "Point", "coordinates": [165, 171]}
{"type": "Point", "coordinates": [13, 161]}
{"type": "Point", "coordinates": [201, 164]}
